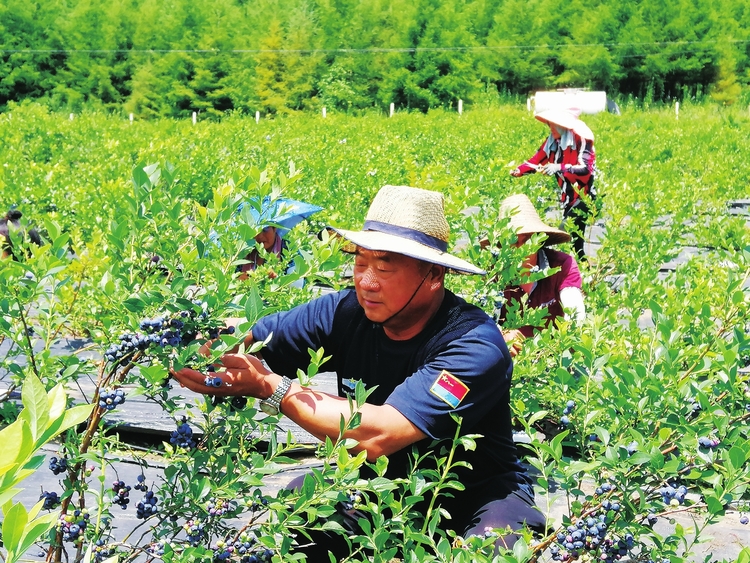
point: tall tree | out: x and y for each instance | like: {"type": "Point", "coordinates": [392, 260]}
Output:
{"type": "Point", "coordinates": [97, 37]}
{"type": "Point", "coordinates": [27, 68]}
{"type": "Point", "coordinates": [521, 43]}
{"type": "Point", "coordinates": [303, 60]}
{"type": "Point", "coordinates": [445, 61]}
{"type": "Point", "coordinates": [588, 58]}
{"type": "Point", "coordinates": [271, 88]}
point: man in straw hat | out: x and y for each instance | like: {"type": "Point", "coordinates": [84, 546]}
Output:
{"type": "Point", "coordinates": [558, 292]}
{"type": "Point", "coordinates": [425, 354]}
{"type": "Point", "coordinates": [568, 154]}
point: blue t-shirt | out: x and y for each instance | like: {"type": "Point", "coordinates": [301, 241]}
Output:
{"type": "Point", "coordinates": [459, 364]}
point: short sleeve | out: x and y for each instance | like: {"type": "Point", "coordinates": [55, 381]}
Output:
{"type": "Point", "coordinates": [469, 378]}
{"type": "Point", "coordinates": [307, 326]}
{"type": "Point", "coordinates": [570, 275]}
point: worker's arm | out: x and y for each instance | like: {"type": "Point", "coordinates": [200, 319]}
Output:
{"type": "Point", "coordinates": [383, 430]}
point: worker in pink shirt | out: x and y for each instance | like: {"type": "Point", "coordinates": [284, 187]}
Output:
{"type": "Point", "coordinates": [560, 293]}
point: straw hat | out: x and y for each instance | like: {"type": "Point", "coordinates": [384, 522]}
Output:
{"type": "Point", "coordinates": [567, 118]}
{"type": "Point", "coordinates": [408, 221]}
{"type": "Point", "coordinates": [524, 220]}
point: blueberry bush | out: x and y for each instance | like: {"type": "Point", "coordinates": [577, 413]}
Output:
{"type": "Point", "coordinates": [639, 418]}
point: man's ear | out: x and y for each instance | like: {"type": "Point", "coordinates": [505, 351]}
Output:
{"type": "Point", "coordinates": [437, 273]}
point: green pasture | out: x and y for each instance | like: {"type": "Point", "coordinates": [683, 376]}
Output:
{"type": "Point", "coordinates": [662, 361]}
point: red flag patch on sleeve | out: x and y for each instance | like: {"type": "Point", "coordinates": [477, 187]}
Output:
{"type": "Point", "coordinates": [449, 388]}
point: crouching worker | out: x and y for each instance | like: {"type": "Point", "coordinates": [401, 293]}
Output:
{"type": "Point", "coordinates": [12, 223]}
{"type": "Point", "coordinates": [271, 241]}
{"type": "Point", "coordinates": [559, 292]}
{"type": "Point", "coordinates": [429, 354]}
{"type": "Point", "coordinates": [284, 213]}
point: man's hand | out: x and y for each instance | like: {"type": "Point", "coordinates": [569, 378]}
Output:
{"type": "Point", "coordinates": [243, 375]}
{"type": "Point", "coordinates": [551, 168]}
{"type": "Point", "coordinates": [514, 339]}
{"type": "Point", "coordinates": [515, 173]}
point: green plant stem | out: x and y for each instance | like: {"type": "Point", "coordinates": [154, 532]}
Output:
{"type": "Point", "coordinates": [67, 313]}
{"type": "Point", "coordinates": [88, 435]}
{"type": "Point", "coordinates": [29, 344]}
{"type": "Point", "coordinates": [443, 477]}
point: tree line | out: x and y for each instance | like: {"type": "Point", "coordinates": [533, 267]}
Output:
{"type": "Point", "coordinates": [174, 57]}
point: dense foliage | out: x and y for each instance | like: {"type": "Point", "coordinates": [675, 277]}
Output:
{"type": "Point", "coordinates": [654, 388]}
{"type": "Point", "coordinates": [174, 57]}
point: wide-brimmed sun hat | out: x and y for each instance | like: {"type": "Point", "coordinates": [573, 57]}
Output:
{"type": "Point", "coordinates": [408, 221]}
{"type": "Point", "coordinates": [524, 220]}
{"type": "Point", "coordinates": [567, 118]}
{"type": "Point", "coordinates": [282, 212]}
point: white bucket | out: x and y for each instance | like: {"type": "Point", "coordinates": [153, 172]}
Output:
{"type": "Point", "coordinates": [587, 102]}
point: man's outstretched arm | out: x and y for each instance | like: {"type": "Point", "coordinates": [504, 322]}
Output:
{"type": "Point", "coordinates": [383, 430]}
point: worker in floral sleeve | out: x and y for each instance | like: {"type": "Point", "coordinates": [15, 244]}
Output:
{"type": "Point", "coordinates": [567, 154]}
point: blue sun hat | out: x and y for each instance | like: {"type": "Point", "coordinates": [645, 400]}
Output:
{"type": "Point", "coordinates": [283, 213]}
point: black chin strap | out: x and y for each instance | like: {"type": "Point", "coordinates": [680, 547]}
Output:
{"type": "Point", "coordinates": [409, 301]}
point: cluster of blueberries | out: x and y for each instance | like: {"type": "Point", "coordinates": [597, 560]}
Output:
{"type": "Point", "coordinates": [604, 488]}
{"type": "Point", "coordinates": [709, 443]}
{"type": "Point", "coordinates": [614, 550]}
{"type": "Point", "coordinates": [102, 551]}
{"type": "Point", "coordinates": [141, 483]}
{"type": "Point", "coordinates": [157, 548]}
{"type": "Point", "coordinates": [585, 535]}
{"type": "Point", "coordinates": [213, 381]}
{"type": "Point", "coordinates": [158, 332]}
{"type": "Point", "coordinates": [183, 436]}
{"type": "Point", "coordinates": [161, 332]}
{"type": "Point", "coordinates": [58, 465]}
{"type": "Point", "coordinates": [121, 495]}
{"type": "Point", "coordinates": [244, 547]}
{"type": "Point", "coordinates": [195, 531]}
{"type": "Point", "coordinates": [110, 399]}
{"type": "Point", "coordinates": [673, 496]}
{"type": "Point", "coordinates": [51, 500]}
{"type": "Point", "coordinates": [262, 556]}
{"type": "Point", "coordinates": [353, 501]}
{"type": "Point", "coordinates": [257, 502]}
{"type": "Point", "coordinates": [73, 525]}
{"type": "Point", "coordinates": [218, 507]}
{"type": "Point", "coordinates": [569, 406]}
{"type": "Point", "coordinates": [588, 535]}
{"type": "Point", "coordinates": [147, 507]}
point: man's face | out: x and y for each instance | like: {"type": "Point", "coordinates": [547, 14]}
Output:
{"type": "Point", "coordinates": [521, 240]}
{"type": "Point", "coordinates": [386, 281]}
{"type": "Point", "coordinates": [266, 237]}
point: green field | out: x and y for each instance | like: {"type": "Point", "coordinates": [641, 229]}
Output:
{"type": "Point", "coordinates": [661, 362]}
